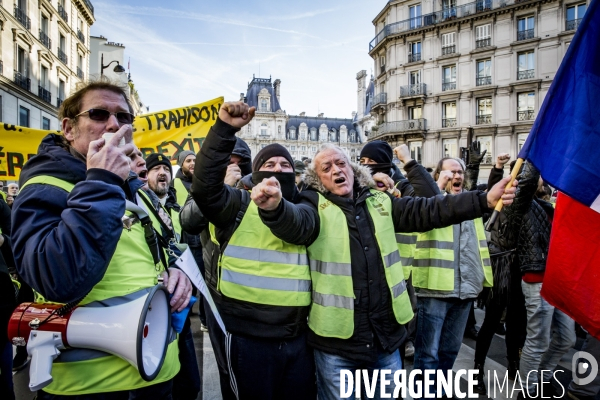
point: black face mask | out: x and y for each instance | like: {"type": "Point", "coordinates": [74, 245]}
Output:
{"type": "Point", "coordinates": [287, 181]}
{"type": "Point", "coordinates": [245, 167]}
{"type": "Point", "coordinates": [385, 168]}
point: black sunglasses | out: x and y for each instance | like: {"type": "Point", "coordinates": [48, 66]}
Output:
{"type": "Point", "coordinates": [98, 114]}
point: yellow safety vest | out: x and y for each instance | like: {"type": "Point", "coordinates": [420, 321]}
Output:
{"type": "Point", "coordinates": [131, 269]}
{"type": "Point", "coordinates": [332, 310]}
{"type": "Point", "coordinates": [182, 192]}
{"type": "Point", "coordinates": [407, 243]}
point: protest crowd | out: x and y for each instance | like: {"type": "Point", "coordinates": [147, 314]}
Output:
{"type": "Point", "coordinates": [314, 266]}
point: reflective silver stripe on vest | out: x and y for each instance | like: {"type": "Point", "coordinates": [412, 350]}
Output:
{"type": "Point", "coordinates": [432, 262]}
{"type": "Point", "coordinates": [435, 244]}
{"type": "Point", "coordinates": [331, 268]}
{"type": "Point", "coordinates": [406, 239]}
{"type": "Point", "coordinates": [392, 258]}
{"type": "Point", "coordinates": [406, 261]}
{"type": "Point", "coordinates": [398, 289]}
{"type": "Point", "coordinates": [263, 282]}
{"type": "Point", "coordinates": [270, 256]}
{"type": "Point", "coordinates": [483, 243]}
{"type": "Point", "coordinates": [332, 300]}
{"type": "Point", "coordinates": [487, 262]}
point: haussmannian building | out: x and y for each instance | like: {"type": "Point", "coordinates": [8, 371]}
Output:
{"type": "Point", "coordinates": [446, 69]}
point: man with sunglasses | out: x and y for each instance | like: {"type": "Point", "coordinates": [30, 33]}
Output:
{"type": "Point", "coordinates": [70, 243]}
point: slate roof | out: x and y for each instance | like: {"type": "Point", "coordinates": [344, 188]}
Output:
{"type": "Point", "coordinates": [254, 88]}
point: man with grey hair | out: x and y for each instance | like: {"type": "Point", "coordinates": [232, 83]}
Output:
{"type": "Point", "coordinates": [359, 294]}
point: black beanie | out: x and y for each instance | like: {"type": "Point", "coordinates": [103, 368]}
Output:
{"type": "Point", "coordinates": [272, 150]}
{"type": "Point", "coordinates": [155, 159]}
{"type": "Point", "coordinates": [378, 151]}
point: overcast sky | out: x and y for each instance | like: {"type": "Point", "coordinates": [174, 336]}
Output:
{"type": "Point", "coordinates": [184, 52]}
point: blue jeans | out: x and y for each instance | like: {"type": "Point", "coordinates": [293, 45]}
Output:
{"type": "Point", "coordinates": [329, 366]}
{"type": "Point", "coordinates": [440, 328]}
{"type": "Point", "coordinates": [550, 334]}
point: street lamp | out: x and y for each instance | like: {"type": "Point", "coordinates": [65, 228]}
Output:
{"type": "Point", "coordinates": [119, 69]}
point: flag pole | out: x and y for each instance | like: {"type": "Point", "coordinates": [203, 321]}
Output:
{"type": "Point", "coordinates": [499, 204]}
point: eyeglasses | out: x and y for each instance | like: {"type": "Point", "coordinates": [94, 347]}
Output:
{"type": "Point", "coordinates": [98, 114]}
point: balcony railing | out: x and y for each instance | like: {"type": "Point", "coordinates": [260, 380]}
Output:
{"type": "Point", "coordinates": [483, 43]}
{"type": "Point", "coordinates": [418, 89]}
{"type": "Point", "coordinates": [63, 14]}
{"type": "Point", "coordinates": [89, 5]}
{"type": "Point", "coordinates": [448, 122]}
{"type": "Point", "coordinates": [62, 56]}
{"type": "Point", "coordinates": [526, 115]}
{"type": "Point", "coordinates": [79, 73]}
{"type": "Point", "coordinates": [22, 81]}
{"type": "Point", "coordinates": [58, 101]}
{"type": "Point", "coordinates": [448, 50]}
{"type": "Point", "coordinates": [45, 94]}
{"type": "Point", "coordinates": [412, 57]}
{"type": "Point", "coordinates": [448, 86]}
{"type": "Point", "coordinates": [484, 80]}
{"type": "Point", "coordinates": [380, 98]}
{"type": "Point", "coordinates": [437, 17]}
{"type": "Point", "coordinates": [572, 24]}
{"type": "Point", "coordinates": [46, 41]}
{"type": "Point", "coordinates": [524, 35]}
{"type": "Point", "coordinates": [22, 17]}
{"type": "Point", "coordinates": [80, 36]}
{"type": "Point", "coordinates": [527, 74]}
{"type": "Point", "coordinates": [484, 119]}
{"type": "Point", "coordinates": [409, 125]}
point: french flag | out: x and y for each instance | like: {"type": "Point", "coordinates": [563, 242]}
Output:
{"type": "Point", "coordinates": [564, 144]}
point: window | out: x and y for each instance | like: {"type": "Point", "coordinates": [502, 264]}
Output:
{"type": "Point", "coordinates": [448, 43]}
{"type": "Point", "coordinates": [44, 85]}
{"type": "Point", "coordinates": [449, 78]}
{"type": "Point", "coordinates": [483, 36]}
{"type": "Point", "coordinates": [23, 116]}
{"type": "Point", "coordinates": [449, 114]}
{"type": "Point", "coordinates": [44, 78]}
{"type": "Point", "coordinates": [263, 105]}
{"type": "Point", "coordinates": [415, 87]}
{"type": "Point", "coordinates": [263, 129]}
{"type": "Point", "coordinates": [44, 32]}
{"type": "Point", "coordinates": [486, 144]}
{"type": "Point", "coordinates": [484, 72]}
{"type": "Point", "coordinates": [22, 72]}
{"type": "Point", "coordinates": [62, 44]}
{"type": "Point", "coordinates": [314, 148]}
{"type": "Point", "coordinates": [80, 66]}
{"type": "Point", "coordinates": [302, 132]}
{"type": "Point", "coordinates": [45, 124]}
{"type": "Point", "coordinates": [484, 111]}
{"type": "Point", "coordinates": [382, 64]}
{"type": "Point", "coordinates": [482, 5]}
{"type": "Point", "coordinates": [415, 16]}
{"type": "Point", "coordinates": [414, 52]}
{"type": "Point", "coordinates": [293, 148]}
{"type": "Point", "coordinates": [574, 16]}
{"type": "Point", "coordinates": [525, 27]}
{"type": "Point", "coordinates": [292, 135]}
{"type": "Point", "coordinates": [415, 112]}
{"type": "Point", "coordinates": [525, 106]}
{"type": "Point", "coordinates": [526, 66]}
{"type": "Point", "coordinates": [333, 135]}
{"type": "Point", "coordinates": [353, 136]}
{"type": "Point", "coordinates": [448, 9]}
{"type": "Point", "coordinates": [450, 147]}
{"type": "Point", "coordinates": [303, 148]}
{"type": "Point", "coordinates": [313, 134]}
{"type": "Point", "coordinates": [415, 150]}
{"type": "Point", "coordinates": [521, 138]}
{"type": "Point", "coordinates": [61, 92]}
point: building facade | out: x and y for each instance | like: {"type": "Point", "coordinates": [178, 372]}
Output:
{"type": "Point", "coordinates": [44, 50]}
{"type": "Point", "coordinates": [302, 135]}
{"type": "Point", "coordinates": [451, 68]}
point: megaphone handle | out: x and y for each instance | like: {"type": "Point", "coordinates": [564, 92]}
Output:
{"type": "Point", "coordinates": [43, 349]}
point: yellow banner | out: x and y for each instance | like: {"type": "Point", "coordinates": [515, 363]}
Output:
{"type": "Point", "coordinates": [167, 132]}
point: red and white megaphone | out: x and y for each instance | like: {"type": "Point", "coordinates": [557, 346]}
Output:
{"type": "Point", "coordinates": [137, 331]}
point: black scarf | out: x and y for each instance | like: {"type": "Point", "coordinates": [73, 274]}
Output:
{"type": "Point", "coordinates": [287, 182]}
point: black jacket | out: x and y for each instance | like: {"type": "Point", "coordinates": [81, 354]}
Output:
{"type": "Point", "coordinates": [220, 204]}
{"type": "Point", "coordinates": [374, 322]}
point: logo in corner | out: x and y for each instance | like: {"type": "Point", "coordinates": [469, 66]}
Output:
{"type": "Point", "coordinates": [584, 367]}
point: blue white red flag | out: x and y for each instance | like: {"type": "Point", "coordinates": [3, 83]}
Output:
{"type": "Point", "coordinates": [564, 144]}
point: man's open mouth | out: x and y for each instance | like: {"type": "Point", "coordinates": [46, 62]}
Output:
{"type": "Point", "coordinates": [340, 180]}
{"type": "Point", "coordinates": [143, 175]}
{"type": "Point", "coordinates": [457, 184]}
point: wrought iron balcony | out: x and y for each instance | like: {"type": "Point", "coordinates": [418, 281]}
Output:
{"type": "Point", "coordinates": [527, 74]}
{"type": "Point", "coordinates": [483, 43]}
{"type": "Point", "coordinates": [483, 80]}
{"type": "Point", "coordinates": [22, 81]}
{"type": "Point", "coordinates": [412, 57]}
{"type": "Point", "coordinates": [483, 5]}
{"type": "Point", "coordinates": [89, 5]}
{"type": "Point", "coordinates": [45, 94]}
{"type": "Point", "coordinates": [449, 14]}
{"type": "Point", "coordinates": [572, 24]}
{"type": "Point", "coordinates": [63, 14]}
{"type": "Point", "coordinates": [419, 89]}
{"type": "Point", "coordinates": [448, 50]}
{"type": "Point", "coordinates": [526, 115]}
{"type": "Point", "coordinates": [79, 73]}
{"type": "Point", "coordinates": [46, 41]}
{"type": "Point", "coordinates": [62, 56]}
{"type": "Point", "coordinates": [448, 86]}
{"type": "Point", "coordinates": [59, 101]}
{"type": "Point", "coordinates": [448, 122]}
{"type": "Point", "coordinates": [22, 17]}
{"type": "Point", "coordinates": [81, 36]}
{"type": "Point", "coordinates": [380, 99]}
{"type": "Point", "coordinates": [484, 119]}
{"type": "Point", "coordinates": [406, 126]}
{"type": "Point", "coordinates": [524, 35]}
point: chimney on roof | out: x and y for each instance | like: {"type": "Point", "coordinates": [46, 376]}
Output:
{"type": "Point", "coordinates": [321, 115]}
{"type": "Point", "coordinates": [277, 87]}
{"type": "Point", "coordinates": [302, 114]}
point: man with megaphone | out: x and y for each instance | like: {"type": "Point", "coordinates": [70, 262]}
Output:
{"type": "Point", "coordinates": [82, 239]}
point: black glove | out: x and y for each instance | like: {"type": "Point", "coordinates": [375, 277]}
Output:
{"type": "Point", "coordinates": [475, 154]}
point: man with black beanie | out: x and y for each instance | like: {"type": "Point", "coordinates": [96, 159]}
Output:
{"type": "Point", "coordinates": [262, 289]}
{"type": "Point", "coordinates": [378, 155]}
